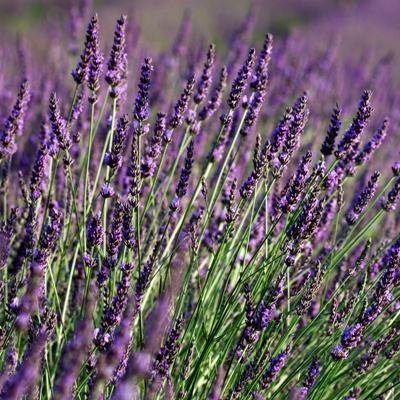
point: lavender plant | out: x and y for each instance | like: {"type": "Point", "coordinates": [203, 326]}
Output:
{"type": "Point", "coordinates": [227, 242]}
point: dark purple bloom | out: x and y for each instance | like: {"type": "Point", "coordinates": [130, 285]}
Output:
{"type": "Point", "coordinates": [351, 336]}
{"type": "Point", "coordinates": [14, 122]}
{"type": "Point", "coordinates": [216, 96]}
{"type": "Point", "coordinates": [309, 381]}
{"type": "Point", "coordinates": [95, 232]}
{"type": "Point", "coordinates": [38, 173]}
{"type": "Point", "coordinates": [81, 73]}
{"type": "Point", "coordinates": [52, 230]}
{"type": "Point", "coordinates": [277, 363]}
{"type": "Point", "coordinates": [328, 146]}
{"type": "Point", "coordinates": [112, 314]}
{"type": "Point", "coordinates": [296, 187]}
{"type": "Point", "coordinates": [113, 157]}
{"type": "Point", "coordinates": [393, 198]}
{"type": "Point", "coordinates": [114, 237]}
{"type": "Point", "coordinates": [364, 198]}
{"type": "Point", "coordinates": [106, 191]}
{"type": "Point", "coordinates": [181, 188]}
{"type": "Point", "coordinates": [148, 164]}
{"type": "Point", "coordinates": [239, 83]}
{"type": "Point", "coordinates": [117, 64]}
{"type": "Point", "coordinates": [96, 61]}
{"type": "Point", "coordinates": [141, 111]}
{"type": "Point", "coordinates": [182, 104]}
{"type": "Point", "coordinates": [354, 393]}
{"type": "Point", "coordinates": [370, 147]}
{"type": "Point", "coordinates": [58, 124]}
{"type": "Point", "coordinates": [262, 65]}
{"type": "Point", "coordinates": [352, 135]}
{"type": "Point", "coordinates": [166, 356]}
{"type": "Point", "coordinates": [206, 79]}
{"type": "Point", "coordinates": [6, 234]}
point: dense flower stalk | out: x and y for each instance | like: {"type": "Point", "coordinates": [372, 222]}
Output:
{"type": "Point", "coordinates": [182, 104]}
{"type": "Point", "coordinates": [96, 61]}
{"type": "Point", "coordinates": [206, 78]}
{"type": "Point", "coordinates": [117, 63]}
{"type": "Point", "coordinates": [14, 122]}
{"type": "Point", "coordinates": [113, 157]}
{"type": "Point", "coordinates": [276, 364]}
{"type": "Point", "coordinates": [216, 97]}
{"type": "Point", "coordinates": [154, 149]}
{"type": "Point", "coordinates": [141, 111]}
{"type": "Point", "coordinates": [352, 135]}
{"type": "Point", "coordinates": [328, 146]}
{"type": "Point", "coordinates": [364, 198]}
{"type": "Point", "coordinates": [58, 124]}
{"type": "Point", "coordinates": [239, 83]}
{"type": "Point", "coordinates": [182, 186]}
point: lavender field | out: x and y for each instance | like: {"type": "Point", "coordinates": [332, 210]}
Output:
{"type": "Point", "coordinates": [199, 205]}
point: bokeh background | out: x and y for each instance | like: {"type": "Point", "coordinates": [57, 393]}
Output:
{"type": "Point", "coordinates": [362, 26]}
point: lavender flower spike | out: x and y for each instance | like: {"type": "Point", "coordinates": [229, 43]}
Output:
{"type": "Point", "coordinates": [328, 146]}
{"type": "Point", "coordinates": [59, 124]}
{"type": "Point", "coordinates": [116, 66]}
{"type": "Point", "coordinates": [352, 136]}
{"type": "Point", "coordinates": [181, 188]}
{"type": "Point", "coordinates": [275, 366]}
{"type": "Point", "coordinates": [141, 111]}
{"type": "Point", "coordinates": [240, 82]}
{"type": "Point", "coordinates": [206, 78]}
{"type": "Point", "coordinates": [13, 124]}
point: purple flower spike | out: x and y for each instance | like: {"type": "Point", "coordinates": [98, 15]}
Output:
{"type": "Point", "coordinates": [182, 104]}
{"type": "Point", "coordinates": [181, 188]}
{"type": "Point", "coordinates": [239, 83]}
{"type": "Point", "coordinates": [206, 78]}
{"type": "Point", "coordinates": [113, 157]}
{"type": "Point", "coordinates": [275, 366]}
{"type": "Point", "coordinates": [117, 64]}
{"type": "Point", "coordinates": [309, 381]}
{"type": "Point", "coordinates": [328, 146]}
{"type": "Point", "coordinates": [96, 62]}
{"type": "Point", "coordinates": [215, 101]}
{"type": "Point", "coordinates": [14, 122]}
{"type": "Point", "coordinates": [59, 124]}
{"type": "Point", "coordinates": [352, 136]}
{"type": "Point", "coordinates": [141, 111]}
{"type": "Point", "coordinates": [148, 163]}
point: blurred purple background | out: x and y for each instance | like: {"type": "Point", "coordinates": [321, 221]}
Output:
{"type": "Point", "coordinates": [361, 26]}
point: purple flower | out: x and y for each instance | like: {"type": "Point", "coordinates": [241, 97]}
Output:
{"type": "Point", "coordinates": [113, 157]}
{"type": "Point", "coordinates": [106, 191]}
{"type": "Point", "coordinates": [215, 101]}
{"type": "Point", "coordinates": [181, 188]}
{"type": "Point", "coordinates": [262, 65]}
{"type": "Point", "coordinates": [96, 61]}
{"type": "Point", "coordinates": [38, 173]}
{"type": "Point", "coordinates": [206, 79]}
{"type": "Point", "coordinates": [275, 366]}
{"type": "Point", "coordinates": [141, 111]}
{"type": "Point", "coordinates": [181, 105]}
{"type": "Point", "coordinates": [14, 122]}
{"type": "Point", "coordinates": [148, 165]}
{"type": "Point", "coordinates": [239, 83]}
{"type": "Point", "coordinates": [352, 135]}
{"type": "Point", "coordinates": [58, 125]}
{"type": "Point", "coordinates": [370, 147]}
{"type": "Point", "coordinates": [117, 63]}
{"type": "Point", "coordinates": [95, 232]}
{"type": "Point", "coordinates": [328, 146]}
{"type": "Point", "coordinates": [364, 198]}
